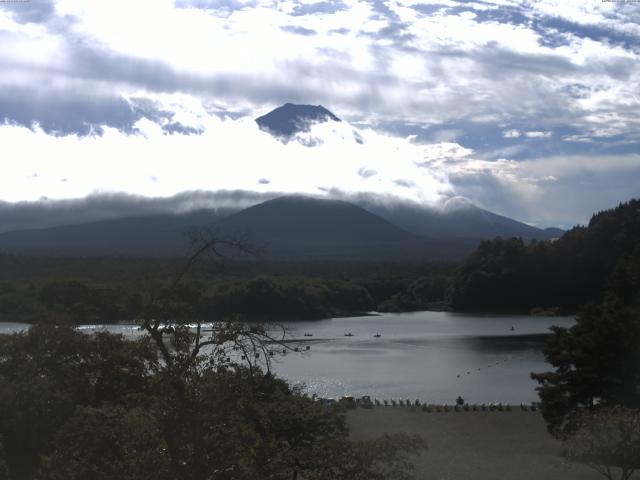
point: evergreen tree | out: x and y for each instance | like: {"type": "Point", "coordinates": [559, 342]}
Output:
{"type": "Point", "coordinates": [597, 364]}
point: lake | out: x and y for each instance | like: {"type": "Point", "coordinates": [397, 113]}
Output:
{"type": "Point", "coordinates": [431, 356]}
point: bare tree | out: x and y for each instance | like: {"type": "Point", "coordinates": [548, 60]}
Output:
{"type": "Point", "coordinates": [608, 441]}
{"type": "Point", "coordinates": [221, 412]}
{"type": "Point", "coordinates": [174, 322]}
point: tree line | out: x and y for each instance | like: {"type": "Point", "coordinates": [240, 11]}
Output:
{"type": "Point", "coordinates": [580, 267]}
{"type": "Point", "coordinates": [256, 297]}
{"type": "Point", "coordinates": [591, 400]}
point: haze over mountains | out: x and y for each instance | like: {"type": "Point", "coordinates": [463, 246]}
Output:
{"type": "Point", "coordinates": [148, 235]}
{"type": "Point", "coordinates": [463, 220]}
{"type": "Point", "coordinates": [292, 226]}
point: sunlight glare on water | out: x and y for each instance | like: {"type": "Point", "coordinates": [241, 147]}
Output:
{"type": "Point", "coordinates": [431, 356]}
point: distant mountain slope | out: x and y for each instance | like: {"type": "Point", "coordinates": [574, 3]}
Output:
{"type": "Point", "coordinates": [458, 221]}
{"type": "Point", "coordinates": [290, 227]}
{"type": "Point", "coordinates": [303, 227]}
{"type": "Point", "coordinates": [152, 235]}
{"type": "Point", "coordinates": [553, 232]}
{"type": "Point", "coordinates": [290, 119]}
{"type": "Point", "coordinates": [309, 219]}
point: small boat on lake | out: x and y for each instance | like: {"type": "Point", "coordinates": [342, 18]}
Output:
{"type": "Point", "coordinates": [377, 335]}
{"type": "Point", "coordinates": [348, 334]}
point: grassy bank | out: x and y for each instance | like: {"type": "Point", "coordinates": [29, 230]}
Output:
{"type": "Point", "coordinates": [474, 445]}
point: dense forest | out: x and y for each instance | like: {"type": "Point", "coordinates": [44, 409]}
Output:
{"type": "Point", "coordinates": [562, 275]}
{"type": "Point", "coordinates": [100, 407]}
{"type": "Point", "coordinates": [502, 275]}
{"type": "Point", "coordinates": [111, 289]}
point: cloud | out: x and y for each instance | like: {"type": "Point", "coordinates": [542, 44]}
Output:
{"type": "Point", "coordinates": [512, 134]}
{"type": "Point", "coordinates": [65, 113]}
{"type": "Point", "coordinates": [31, 12]}
{"type": "Point", "coordinates": [224, 154]}
{"type": "Point", "coordinates": [473, 61]}
{"type": "Point", "coordinates": [298, 30]}
{"type": "Point", "coordinates": [218, 6]}
{"type": "Point", "coordinates": [153, 166]}
{"type": "Point", "coordinates": [500, 86]}
{"type": "Point", "coordinates": [106, 206]}
{"type": "Point", "coordinates": [561, 190]}
{"type": "Point", "coordinates": [328, 7]}
{"type": "Point", "coordinates": [536, 134]}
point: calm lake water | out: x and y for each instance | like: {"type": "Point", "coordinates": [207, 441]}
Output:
{"type": "Point", "coordinates": [432, 356]}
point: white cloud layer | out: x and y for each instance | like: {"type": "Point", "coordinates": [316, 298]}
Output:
{"type": "Point", "coordinates": [332, 159]}
{"type": "Point", "coordinates": [546, 76]}
{"type": "Point", "coordinates": [227, 154]}
{"type": "Point", "coordinates": [383, 59]}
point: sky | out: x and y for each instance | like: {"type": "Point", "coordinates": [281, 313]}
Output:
{"type": "Point", "coordinates": [528, 109]}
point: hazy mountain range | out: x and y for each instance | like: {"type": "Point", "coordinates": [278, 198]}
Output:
{"type": "Point", "coordinates": [291, 227]}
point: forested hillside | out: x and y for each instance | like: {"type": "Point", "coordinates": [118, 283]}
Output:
{"type": "Point", "coordinates": [111, 289]}
{"type": "Point", "coordinates": [510, 275]}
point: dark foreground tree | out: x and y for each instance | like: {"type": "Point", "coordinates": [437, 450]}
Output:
{"type": "Point", "coordinates": [106, 443]}
{"type": "Point", "coordinates": [47, 372]}
{"type": "Point", "coordinates": [4, 470]}
{"type": "Point", "coordinates": [597, 364]}
{"type": "Point", "coordinates": [218, 420]}
{"type": "Point", "coordinates": [608, 441]}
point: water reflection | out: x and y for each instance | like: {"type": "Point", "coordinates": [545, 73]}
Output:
{"type": "Point", "coordinates": [433, 356]}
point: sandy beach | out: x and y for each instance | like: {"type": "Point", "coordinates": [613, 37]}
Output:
{"type": "Point", "coordinates": [474, 445]}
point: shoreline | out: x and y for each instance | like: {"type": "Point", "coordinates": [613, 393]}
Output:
{"type": "Point", "coordinates": [372, 313]}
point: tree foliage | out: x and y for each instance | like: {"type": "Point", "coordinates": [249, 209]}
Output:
{"type": "Point", "coordinates": [424, 293]}
{"type": "Point", "coordinates": [267, 297]}
{"type": "Point", "coordinates": [113, 289]}
{"type": "Point", "coordinates": [510, 275]}
{"type": "Point", "coordinates": [107, 442]}
{"type": "Point", "coordinates": [4, 470]}
{"type": "Point", "coordinates": [86, 407]}
{"type": "Point", "coordinates": [597, 364]}
{"type": "Point", "coordinates": [47, 372]}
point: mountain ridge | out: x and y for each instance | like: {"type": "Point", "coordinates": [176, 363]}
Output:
{"type": "Point", "coordinates": [290, 226]}
{"type": "Point", "coordinates": [468, 222]}
{"type": "Point", "coordinates": [289, 119]}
